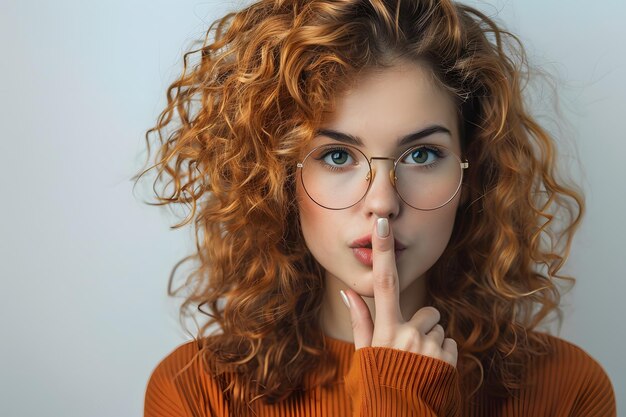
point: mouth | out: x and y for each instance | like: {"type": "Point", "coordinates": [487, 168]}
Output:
{"type": "Point", "coordinates": [366, 243]}
{"type": "Point", "coordinates": [362, 250]}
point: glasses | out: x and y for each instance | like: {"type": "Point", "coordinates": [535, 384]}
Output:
{"type": "Point", "coordinates": [337, 176]}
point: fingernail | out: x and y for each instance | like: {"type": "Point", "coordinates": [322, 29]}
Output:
{"type": "Point", "coordinates": [344, 297]}
{"type": "Point", "coordinates": [382, 227]}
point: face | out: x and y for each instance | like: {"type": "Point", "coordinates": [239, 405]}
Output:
{"type": "Point", "coordinates": [382, 107]}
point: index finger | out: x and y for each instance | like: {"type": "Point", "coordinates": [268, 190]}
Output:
{"type": "Point", "coordinates": [386, 283]}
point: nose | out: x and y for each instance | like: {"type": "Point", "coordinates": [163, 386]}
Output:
{"type": "Point", "coordinates": [381, 199]}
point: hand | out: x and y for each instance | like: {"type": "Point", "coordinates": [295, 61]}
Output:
{"type": "Point", "coordinates": [422, 334]}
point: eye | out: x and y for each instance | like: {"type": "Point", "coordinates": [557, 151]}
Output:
{"type": "Point", "coordinates": [337, 157]}
{"type": "Point", "coordinates": [423, 155]}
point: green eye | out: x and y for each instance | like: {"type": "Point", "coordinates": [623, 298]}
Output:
{"type": "Point", "coordinates": [424, 155]}
{"type": "Point", "coordinates": [338, 157]}
{"type": "Point", "coordinates": [419, 156]}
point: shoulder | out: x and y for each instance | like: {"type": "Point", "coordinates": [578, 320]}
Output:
{"type": "Point", "coordinates": [572, 377]}
{"type": "Point", "coordinates": [570, 359]}
{"type": "Point", "coordinates": [181, 359]}
{"type": "Point", "coordinates": [166, 378]}
{"type": "Point", "coordinates": [180, 383]}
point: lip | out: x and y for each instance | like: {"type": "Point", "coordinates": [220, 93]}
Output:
{"type": "Point", "coordinates": [364, 255]}
{"type": "Point", "coordinates": [362, 250]}
{"type": "Point", "coordinates": [366, 242]}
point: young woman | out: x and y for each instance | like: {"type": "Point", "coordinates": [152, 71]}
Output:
{"type": "Point", "coordinates": [375, 213]}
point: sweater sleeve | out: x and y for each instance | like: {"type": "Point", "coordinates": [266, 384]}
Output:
{"type": "Point", "coordinates": [386, 382]}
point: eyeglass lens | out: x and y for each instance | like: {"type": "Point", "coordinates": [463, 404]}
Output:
{"type": "Point", "coordinates": [338, 176]}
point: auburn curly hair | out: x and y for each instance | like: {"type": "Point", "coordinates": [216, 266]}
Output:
{"type": "Point", "coordinates": [235, 124]}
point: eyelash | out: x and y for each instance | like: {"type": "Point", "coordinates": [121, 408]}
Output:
{"type": "Point", "coordinates": [438, 152]}
{"type": "Point", "coordinates": [330, 151]}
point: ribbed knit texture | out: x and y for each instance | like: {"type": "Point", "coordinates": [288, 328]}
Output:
{"type": "Point", "coordinates": [386, 382]}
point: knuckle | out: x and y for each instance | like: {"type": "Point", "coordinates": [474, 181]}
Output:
{"type": "Point", "coordinates": [451, 343]}
{"type": "Point", "coordinates": [432, 311]}
{"type": "Point", "coordinates": [411, 340]}
{"type": "Point", "coordinates": [412, 333]}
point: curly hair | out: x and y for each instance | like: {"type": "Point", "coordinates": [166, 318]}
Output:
{"type": "Point", "coordinates": [235, 124]}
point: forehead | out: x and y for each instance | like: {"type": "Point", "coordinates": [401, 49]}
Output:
{"type": "Point", "coordinates": [383, 105]}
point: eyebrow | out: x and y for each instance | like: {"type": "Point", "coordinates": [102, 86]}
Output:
{"type": "Point", "coordinates": [411, 137]}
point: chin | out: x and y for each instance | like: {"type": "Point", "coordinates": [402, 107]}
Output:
{"type": "Point", "coordinates": [365, 285]}
{"type": "Point", "coordinates": [366, 290]}
{"type": "Point", "coordinates": [362, 284]}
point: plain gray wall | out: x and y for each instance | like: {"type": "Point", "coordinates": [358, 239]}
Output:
{"type": "Point", "coordinates": [84, 264]}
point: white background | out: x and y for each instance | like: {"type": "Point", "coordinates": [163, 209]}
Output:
{"type": "Point", "coordinates": [84, 264]}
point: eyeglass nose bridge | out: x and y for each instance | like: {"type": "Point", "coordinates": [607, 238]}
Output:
{"type": "Point", "coordinates": [392, 171]}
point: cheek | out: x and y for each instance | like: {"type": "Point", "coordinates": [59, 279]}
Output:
{"type": "Point", "coordinates": [308, 218]}
{"type": "Point", "coordinates": [313, 220]}
{"type": "Point", "coordinates": [436, 227]}
{"type": "Point", "coordinates": [448, 216]}
{"type": "Point", "coordinates": [446, 224]}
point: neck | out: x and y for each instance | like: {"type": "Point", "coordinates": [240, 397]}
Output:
{"type": "Point", "coordinates": [335, 317]}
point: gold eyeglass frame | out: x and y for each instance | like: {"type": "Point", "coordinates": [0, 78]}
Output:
{"type": "Point", "coordinates": [392, 173]}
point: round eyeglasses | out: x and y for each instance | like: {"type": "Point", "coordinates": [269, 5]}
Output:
{"type": "Point", "coordinates": [338, 176]}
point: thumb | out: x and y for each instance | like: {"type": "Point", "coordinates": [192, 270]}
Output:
{"type": "Point", "coordinates": [361, 319]}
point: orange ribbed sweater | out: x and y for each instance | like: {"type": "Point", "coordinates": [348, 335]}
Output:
{"type": "Point", "coordinates": [386, 382]}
